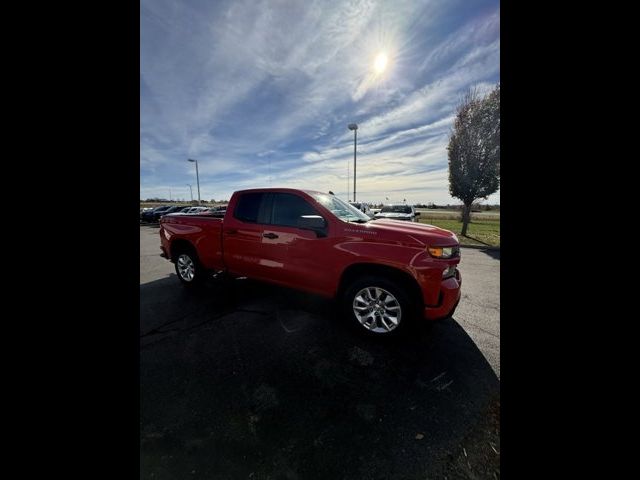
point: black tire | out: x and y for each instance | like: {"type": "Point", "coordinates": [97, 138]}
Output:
{"type": "Point", "coordinates": [379, 319]}
{"type": "Point", "coordinates": [189, 270]}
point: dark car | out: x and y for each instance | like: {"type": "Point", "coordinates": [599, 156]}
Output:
{"type": "Point", "coordinates": [148, 216]}
{"type": "Point", "coordinates": [155, 217]}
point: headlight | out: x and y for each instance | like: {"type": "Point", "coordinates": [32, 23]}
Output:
{"type": "Point", "coordinates": [443, 252]}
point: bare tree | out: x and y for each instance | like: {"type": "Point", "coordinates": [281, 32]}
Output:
{"type": "Point", "coordinates": [474, 150]}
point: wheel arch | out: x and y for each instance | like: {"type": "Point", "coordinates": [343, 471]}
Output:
{"type": "Point", "coordinates": [181, 245]}
{"type": "Point", "coordinates": [397, 275]}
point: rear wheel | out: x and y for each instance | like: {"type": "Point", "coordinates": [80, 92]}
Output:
{"type": "Point", "coordinates": [188, 268]}
{"type": "Point", "coordinates": [378, 307]}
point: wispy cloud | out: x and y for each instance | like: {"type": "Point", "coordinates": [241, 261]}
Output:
{"type": "Point", "coordinates": [261, 92]}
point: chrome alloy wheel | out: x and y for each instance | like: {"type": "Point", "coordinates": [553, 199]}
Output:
{"type": "Point", "coordinates": [186, 267]}
{"type": "Point", "coordinates": [377, 310]}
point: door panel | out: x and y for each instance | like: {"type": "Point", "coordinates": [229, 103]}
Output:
{"type": "Point", "coordinates": [293, 256]}
{"type": "Point", "coordinates": [298, 258]}
{"type": "Point", "coordinates": [242, 235]}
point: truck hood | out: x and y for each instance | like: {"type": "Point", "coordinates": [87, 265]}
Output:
{"type": "Point", "coordinates": [420, 232]}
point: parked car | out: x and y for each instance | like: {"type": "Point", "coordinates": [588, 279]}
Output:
{"type": "Point", "coordinates": [363, 207]}
{"type": "Point", "coordinates": [170, 210]}
{"type": "Point", "coordinates": [217, 211]}
{"type": "Point", "coordinates": [398, 211]}
{"type": "Point", "coordinates": [181, 211]}
{"type": "Point", "coordinates": [385, 274]}
{"type": "Point", "coordinates": [149, 215]}
{"type": "Point", "coordinates": [193, 210]}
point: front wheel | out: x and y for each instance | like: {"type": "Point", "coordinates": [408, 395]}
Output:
{"type": "Point", "coordinates": [188, 269]}
{"type": "Point", "coordinates": [377, 306]}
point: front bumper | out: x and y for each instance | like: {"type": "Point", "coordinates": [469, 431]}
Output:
{"type": "Point", "coordinates": [448, 301]}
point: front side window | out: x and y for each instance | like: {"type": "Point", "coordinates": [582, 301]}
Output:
{"type": "Point", "coordinates": [288, 208]}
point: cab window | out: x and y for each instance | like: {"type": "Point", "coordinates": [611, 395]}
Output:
{"type": "Point", "coordinates": [248, 207]}
{"type": "Point", "coordinates": [288, 208]}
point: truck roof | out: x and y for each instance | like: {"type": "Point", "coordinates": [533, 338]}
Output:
{"type": "Point", "coordinates": [280, 190]}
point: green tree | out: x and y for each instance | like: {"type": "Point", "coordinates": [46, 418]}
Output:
{"type": "Point", "coordinates": [474, 150]}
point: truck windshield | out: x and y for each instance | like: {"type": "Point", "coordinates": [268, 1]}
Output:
{"type": "Point", "coordinates": [340, 209]}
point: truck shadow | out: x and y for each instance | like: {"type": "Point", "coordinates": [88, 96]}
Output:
{"type": "Point", "coordinates": [492, 252]}
{"type": "Point", "coordinates": [245, 380]}
{"type": "Point", "coordinates": [476, 240]}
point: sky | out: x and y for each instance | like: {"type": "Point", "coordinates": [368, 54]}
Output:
{"type": "Point", "coordinates": [261, 93]}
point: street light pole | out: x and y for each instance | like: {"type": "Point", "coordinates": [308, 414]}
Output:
{"type": "Point", "coordinates": [348, 180]}
{"type": "Point", "coordinates": [354, 127]}
{"type": "Point", "coordinates": [191, 190]}
{"type": "Point", "coordinates": [197, 178]}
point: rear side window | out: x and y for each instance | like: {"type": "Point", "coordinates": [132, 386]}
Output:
{"type": "Point", "coordinates": [288, 208]}
{"type": "Point", "coordinates": [248, 207]}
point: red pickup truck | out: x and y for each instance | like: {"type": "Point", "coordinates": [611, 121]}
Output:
{"type": "Point", "coordinates": [386, 273]}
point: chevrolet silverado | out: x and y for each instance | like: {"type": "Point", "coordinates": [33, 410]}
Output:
{"type": "Point", "coordinates": [385, 273]}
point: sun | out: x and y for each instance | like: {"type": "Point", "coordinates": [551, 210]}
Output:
{"type": "Point", "coordinates": [380, 63]}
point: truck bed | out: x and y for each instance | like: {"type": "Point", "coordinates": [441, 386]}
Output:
{"type": "Point", "coordinates": [203, 231]}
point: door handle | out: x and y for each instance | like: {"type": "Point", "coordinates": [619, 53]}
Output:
{"type": "Point", "coordinates": [269, 235]}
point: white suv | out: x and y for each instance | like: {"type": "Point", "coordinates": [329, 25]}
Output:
{"type": "Point", "coordinates": [398, 211]}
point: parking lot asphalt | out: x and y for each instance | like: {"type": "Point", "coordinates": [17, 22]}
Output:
{"type": "Point", "coordinates": [246, 380]}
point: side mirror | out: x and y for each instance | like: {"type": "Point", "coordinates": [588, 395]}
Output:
{"type": "Point", "coordinates": [313, 222]}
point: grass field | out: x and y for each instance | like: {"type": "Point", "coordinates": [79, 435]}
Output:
{"type": "Point", "coordinates": [453, 214]}
{"type": "Point", "coordinates": [482, 231]}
